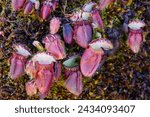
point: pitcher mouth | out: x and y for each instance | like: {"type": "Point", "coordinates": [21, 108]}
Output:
{"type": "Point", "coordinates": [89, 6]}
{"type": "Point", "coordinates": [101, 43]}
{"type": "Point", "coordinates": [73, 61]}
{"type": "Point", "coordinates": [44, 58]}
{"type": "Point", "coordinates": [22, 50]}
{"type": "Point", "coordinates": [136, 24]}
{"type": "Point", "coordinates": [33, 1]}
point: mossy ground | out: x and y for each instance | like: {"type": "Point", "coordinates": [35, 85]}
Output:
{"type": "Point", "coordinates": [124, 75]}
